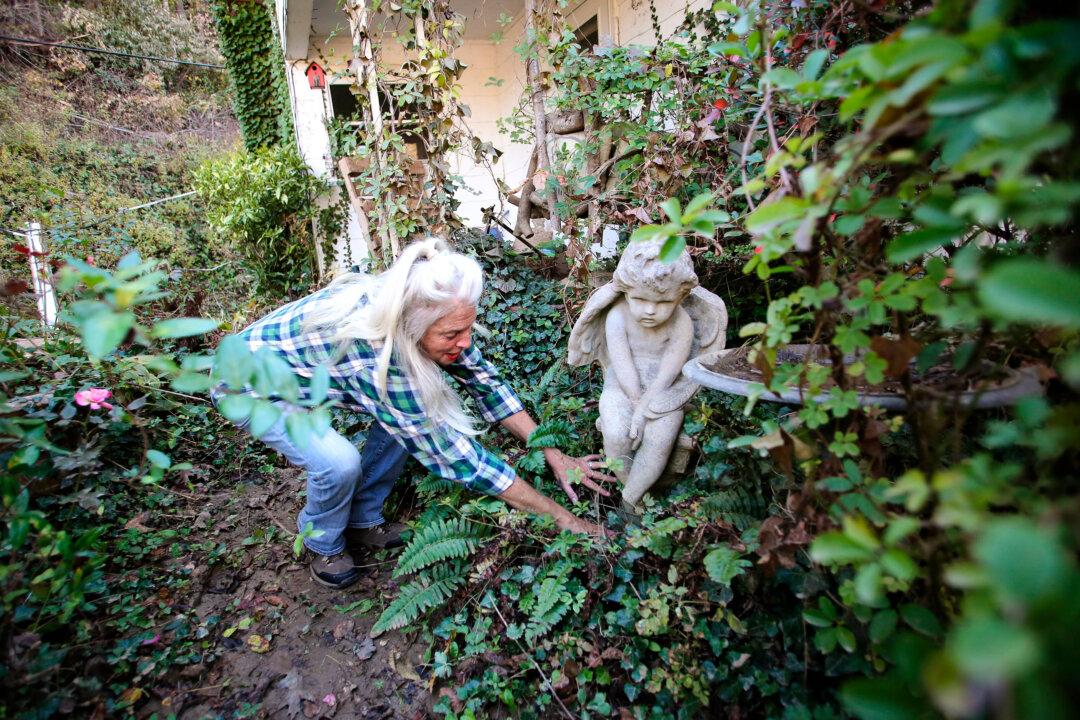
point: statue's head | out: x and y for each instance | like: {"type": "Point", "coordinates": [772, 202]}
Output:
{"type": "Point", "coordinates": [653, 288]}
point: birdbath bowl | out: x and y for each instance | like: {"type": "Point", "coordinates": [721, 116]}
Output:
{"type": "Point", "coordinates": [730, 371]}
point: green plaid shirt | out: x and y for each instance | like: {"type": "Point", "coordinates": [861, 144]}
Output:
{"type": "Point", "coordinates": [444, 451]}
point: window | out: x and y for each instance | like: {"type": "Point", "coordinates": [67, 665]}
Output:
{"type": "Point", "coordinates": [588, 34]}
{"type": "Point", "coordinates": [346, 108]}
{"type": "Point", "coordinates": [343, 102]}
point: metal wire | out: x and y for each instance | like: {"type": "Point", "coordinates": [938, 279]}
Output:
{"type": "Point", "coordinates": [104, 51]}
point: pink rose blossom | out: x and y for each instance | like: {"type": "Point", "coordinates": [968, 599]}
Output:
{"type": "Point", "coordinates": [94, 397]}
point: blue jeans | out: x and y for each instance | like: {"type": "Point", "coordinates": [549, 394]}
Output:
{"type": "Point", "coordinates": [344, 487]}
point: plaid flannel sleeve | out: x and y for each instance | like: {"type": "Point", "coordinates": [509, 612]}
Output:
{"type": "Point", "coordinates": [495, 398]}
{"type": "Point", "coordinates": [445, 452]}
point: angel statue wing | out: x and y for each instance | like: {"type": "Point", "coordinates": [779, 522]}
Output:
{"type": "Point", "coordinates": [709, 315]}
{"type": "Point", "coordinates": [587, 341]}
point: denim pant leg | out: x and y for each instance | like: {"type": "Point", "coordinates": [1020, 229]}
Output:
{"type": "Point", "coordinates": [333, 469]}
{"type": "Point", "coordinates": [383, 459]}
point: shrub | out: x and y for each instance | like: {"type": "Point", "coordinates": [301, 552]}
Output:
{"type": "Point", "coordinates": [264, 202]}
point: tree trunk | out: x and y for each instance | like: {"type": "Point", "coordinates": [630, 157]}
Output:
{"type": "Point", "coordinates": [366, 77]}
{"type": "Point", "coordinates": [532, 71]}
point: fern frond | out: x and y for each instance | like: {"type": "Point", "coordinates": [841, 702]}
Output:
{"type": "Point", "coordinates": [551, 433]}
{"type": "Point", "coordinates": [549, 593]}
{"type": "Point", "coordinates": [434, 485]}
{"type": "Point", "coordinates": [418, 597]}
{"type": "Point", "coordinates": [441, 540]}
{"type": "Point", "coordinates": [741, 508]}
{"type": "Point", "coordinates": [537, 392]}
{"type": "Point", "coordinates": [549, 602]}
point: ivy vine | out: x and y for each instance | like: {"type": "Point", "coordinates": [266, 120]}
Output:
{"type": "Point", "coordinates": [256, 69]}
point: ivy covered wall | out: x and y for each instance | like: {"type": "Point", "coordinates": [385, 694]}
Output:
{"type": "Point", "coordinates": [256, 69]}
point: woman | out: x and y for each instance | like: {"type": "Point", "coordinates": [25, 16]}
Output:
{"type": "Point", "coordinates": [389, 342]}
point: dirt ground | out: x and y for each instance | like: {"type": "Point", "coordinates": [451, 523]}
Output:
{"type": "Point", "coordinates": [289, 648]}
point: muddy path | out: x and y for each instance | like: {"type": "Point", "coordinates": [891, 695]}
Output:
{"type": "Point", "coordinates": [280, 645]}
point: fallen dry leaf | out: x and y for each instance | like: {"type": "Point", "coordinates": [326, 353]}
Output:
{"type": "Point", "coordinates": [294, 698]}
{"type": "Point", "coordinates": [343, 628]}
{"type": "Point", "coordinates": [366, 649]}
{"type": "Point", "coordinates": [131, 695]}
{"type": "Point", "coordinates": [258, 644]}
{"type": "Point", "coordinates": [403, 667]}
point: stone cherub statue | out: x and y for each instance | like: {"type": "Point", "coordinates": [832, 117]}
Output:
{"type": "Point", "coordinates": [642, 327]}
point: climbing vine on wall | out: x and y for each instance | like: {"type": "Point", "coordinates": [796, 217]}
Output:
{"type": "Point", "coordinates": [260, 96]}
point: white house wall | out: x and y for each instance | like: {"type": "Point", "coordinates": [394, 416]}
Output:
{"type": "Point", "coordinates": [619, 22]}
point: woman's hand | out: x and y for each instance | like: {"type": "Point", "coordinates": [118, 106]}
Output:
{"type": "Point", "coordinates": [584, 527]}
{"type": "Point", "coordinates": [571, 469]}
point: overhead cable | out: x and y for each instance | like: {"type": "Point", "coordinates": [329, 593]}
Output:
{"type": "Point", "coordinates": [103, 218]}
{"type": "Point", "coordinates": [104, 51]}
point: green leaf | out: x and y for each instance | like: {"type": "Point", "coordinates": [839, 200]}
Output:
{"type": "Point", "coordinates": [818, 617]}
{"type": "Point", "coordinates": [697, 204]}
{"type": "Point", "coordinates": [913, 244]}
{"type": "Point", "coordinates": [899, 564]}
{"type": "Point", "coordinates": [264, 415]}
{"type": "Point", "coordinates": [274, 376]}
{"type": "Point", "coordinates": [672, 209]}
{"type": "Point", "coordinates": [320, 384]}
{"type": "Point", "coordinates": [298, 426]}
{"type": "Point", "coordinates": [237, 408]}
{"type": "Point", "coordinates": [846, 638]}
{"type": "Point", "coordinates": [836, 548]}
{"type": "Point", "coordinates": [884, 698]}
{"type": "Point", "coordinates": [782, 78]}
{"type": "Point", "coordinates": [1033, 290]}
{"type": "Point", "coordinates": [672, 249]}
{"type": "Point", "coordinates": [647, 233]}
{"type": "Point", "coordinates": [771, 214]}
{"type": "Point", "coordinates": [814, 62]}
{"type": "Point", "coordinates": [103, 332]}
{"type": "Point", "coordinates": [158, 459]}
{"type": "Point", "coordinates": [993, 650]}
{"type": "Point", "coordinates": [191, 383]}
{"type": "Point", "coordinates": [233, 362]}
{"type": "Point", "coordinates": [1023, 562]}
{"type": "Point", "coordinates": [868, 584]}
{"type": "Point", "coordinates": [1019, 116]}
{"type": "Point", "coordinates": [921, 619]}
{"type": "Point", "coordinates": [724, 564]}
{"type": "Point", "coordinates": [183, 327]}
{"type": "Point", "coordinates": [882, 626]}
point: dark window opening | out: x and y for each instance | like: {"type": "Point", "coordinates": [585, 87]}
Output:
{"type": "Point", "coordinates": [588, 34]}
{"type": "Point", "coordinates": [346, 108]}
{"type": "Point", "coordinates": [343, 102]}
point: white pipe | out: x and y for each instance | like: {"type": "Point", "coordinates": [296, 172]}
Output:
{"type": "Point", "coordinates": [39, 273]}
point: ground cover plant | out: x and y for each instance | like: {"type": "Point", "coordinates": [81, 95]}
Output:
{"type": "Point", "coordinates": [894, 182]}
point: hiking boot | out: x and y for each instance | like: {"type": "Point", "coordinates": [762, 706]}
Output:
{"type": "Point", "coordinates": [380, 537]}
{"type": "Point", "coordinates": [333, 571]}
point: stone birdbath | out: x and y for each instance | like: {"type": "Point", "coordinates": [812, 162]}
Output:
{"type": "Point", "coordinates": [730, 371]}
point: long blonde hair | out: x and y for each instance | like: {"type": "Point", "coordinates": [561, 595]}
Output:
{"type": "Point", "coordinates": [425, 283]}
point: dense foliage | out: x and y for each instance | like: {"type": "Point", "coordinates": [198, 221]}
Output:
{"type": "Point", "coordinates": [253, 55]}
{"type": "Point", "coordinates": [264, 202]}
{"type": "Point", "coordinates": [922, 236]}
